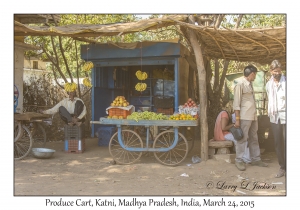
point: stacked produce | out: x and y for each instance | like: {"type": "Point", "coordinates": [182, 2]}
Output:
{"type": "Point", "coordinates": [70, 87]}
{"type": "Point", "coordinates": [86, 82]}
{"type": "Point", "coordinates": [115, 117]}
{"type": "Point", "coordinates": [120, 101]}
{"type": "Point", "coordinates": [146, 115]}
{"type": "Point", "coordinates": [189, 108]}
{"type": "Point", "coordinates": [88, 66]}
{"type": "Point", "coordinates": [141, 86]}
{"type": "Point", "coordinates": [141, 75]}
{"type": "Point", "coordinates": [182, 117]}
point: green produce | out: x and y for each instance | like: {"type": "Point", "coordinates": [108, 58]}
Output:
{"type": "Point", "coordinates": [146, 116]}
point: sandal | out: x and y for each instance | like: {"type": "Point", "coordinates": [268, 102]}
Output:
{"type": "Point", "coordinates": [280, 173]}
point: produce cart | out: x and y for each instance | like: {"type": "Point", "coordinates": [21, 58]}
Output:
{"type": "Point", "coordinates": [29, 131]}
{"type": "Point", "coordinates": [126, 146]}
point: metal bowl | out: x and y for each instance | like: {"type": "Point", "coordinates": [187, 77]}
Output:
{"type": "Point", "coordinates": [145, 108]}
{"type": "Point", "coordinates": [42, 152]}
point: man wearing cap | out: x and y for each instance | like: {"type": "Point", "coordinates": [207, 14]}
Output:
{"type": "Point", "coordinates": [246, 117]}
{"type": "Point", "coordinates": [71, 110]}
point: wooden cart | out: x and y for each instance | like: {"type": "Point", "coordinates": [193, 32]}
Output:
{"type": "Point", "coordinates": [29, 131]}
{"type": "Point", "coordinates": [169, 147]}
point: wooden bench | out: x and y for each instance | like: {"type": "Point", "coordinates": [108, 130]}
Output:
{"type": "Point", "coordinates": [222, 147]}
{"type": "Point", "coordinates": [223, 150]}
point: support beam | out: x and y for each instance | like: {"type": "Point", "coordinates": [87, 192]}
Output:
{"type": "Point", "coordinates": [202, 90]}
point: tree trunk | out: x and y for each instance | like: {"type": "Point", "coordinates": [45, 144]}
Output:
{"type": "Point", "coordinates": [202, 90]}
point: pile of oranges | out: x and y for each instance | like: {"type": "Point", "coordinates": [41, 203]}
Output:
{"type": "Point", "coordinates": [182, 117]}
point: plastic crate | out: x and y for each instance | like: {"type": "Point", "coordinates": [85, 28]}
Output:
{"type": "Point", "coordinates": [168, 111]}
{"type": "Point", "coordinates": [74, 146]}
{"type": "Point", "coordinates": [74, 132]}
{"type": "Point", "coordinates": [105, 134]}
{"type": "Point", "coordinates": [163, 102]}
{"type": "Point", "coordinates": [118, 112]}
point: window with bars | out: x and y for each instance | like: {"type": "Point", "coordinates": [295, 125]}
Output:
{"type": "Point", "coordinates": [35, 65]}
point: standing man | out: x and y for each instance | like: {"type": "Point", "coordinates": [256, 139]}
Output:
{"type": "Point", "coordinates": [275, 88]}
{"type": "Point", "coordinates": [246, 117]}
{"type": "Point", "coordinates": [71, 110]}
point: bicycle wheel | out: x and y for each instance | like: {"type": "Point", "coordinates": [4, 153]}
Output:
{"type": "Point", "coordinates": [174, 156]}
{"type": "Point", "coordinates": [38, 135]}
{"type": "Point", "coordinates": [130, 139]}
{"type": "Point", "coordinates": [23, 145]}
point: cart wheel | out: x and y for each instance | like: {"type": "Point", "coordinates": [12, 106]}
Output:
{"type": "Point", "coordinates": [177, 154]}
{"type": "Point", "coordinates": [38, 135]}
{"type": "Point", "coordinates": [130, 139]}
{"type": "Point", "coordinates": [22, 146]}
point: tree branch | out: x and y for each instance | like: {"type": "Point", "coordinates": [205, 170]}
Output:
{"type": "Point", "coordinates": [219, 21]}
{"type": "Point", "coordinates": [55, 63]}
{"type": "Point", "coordinates": [222, 80]}
{"type": "Point", "coordinates": [77, 70]}
{"type": "Point", "coordinates": [238, 22]}
{"type": "Point", "coordinates": [217, 75]}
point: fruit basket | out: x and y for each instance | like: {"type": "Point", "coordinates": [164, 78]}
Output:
{"type": "Point", "coordinates": [118, 112]}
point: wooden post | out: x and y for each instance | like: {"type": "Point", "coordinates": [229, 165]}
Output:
{"type": "Point", "coordinates": [202, 90]}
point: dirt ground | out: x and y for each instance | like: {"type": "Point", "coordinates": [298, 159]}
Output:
{"type": "Point", "coordinates": [93, 174]}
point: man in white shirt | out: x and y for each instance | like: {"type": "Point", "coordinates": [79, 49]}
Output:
{"type": "Point", "coordinates": [71, 110]}
{"type": "Point", "coordinates": [276, 90]}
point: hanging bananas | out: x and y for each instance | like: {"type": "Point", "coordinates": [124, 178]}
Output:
{"type": "Point", "coordinates": [70, 87]}
{"type": "Point", "coordinates": [141, 86]}
{"type": "Point", "coordinates": [88, 66]}
{"type": "Point", "coordinates": [141, 75]}
{"type": "Point", "coordinates": [86, 82]}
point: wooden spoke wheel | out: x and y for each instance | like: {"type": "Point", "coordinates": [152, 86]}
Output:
{"type": "Point", "coordinates": [22, 145]}
{"type": "Point", "coordinates": [130, 139]}
{"type": "Point", "coordinates": [174, 156]}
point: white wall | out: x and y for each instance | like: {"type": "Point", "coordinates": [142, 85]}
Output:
{"type": "Point", "coordinates": [28, 63]}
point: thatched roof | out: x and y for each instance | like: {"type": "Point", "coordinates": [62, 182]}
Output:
{"type": "Point", "coordinates": [250, 45]}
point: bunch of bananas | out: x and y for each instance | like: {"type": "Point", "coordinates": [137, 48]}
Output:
{"type": "Point", "coordinates": [140, 86]}
{"type": "Point", "coordinates": [70, 87]}
{"type": "Point", "coordinates": [86, 82]}
{"type": "Point", "coordinates": [141, 75]}
{"type": "Point", "coordinates": [88, 66]}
